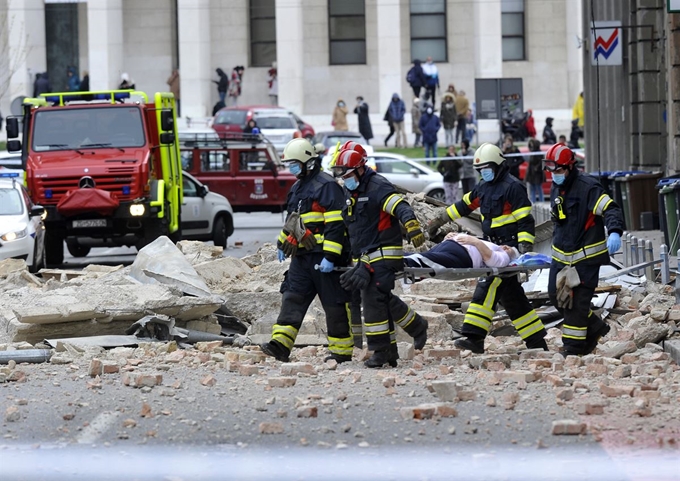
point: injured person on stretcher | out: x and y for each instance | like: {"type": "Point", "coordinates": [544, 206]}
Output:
{"type": "Point", "coordinates": [463, 251]}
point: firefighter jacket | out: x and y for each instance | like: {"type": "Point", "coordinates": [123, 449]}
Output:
{"type": "Point", "coordinates": [372, 214]}
{"type": "Point", "coordinates": [580, 210]}
{"type": "Point", "coordinates": [319, 200]}
{"type": "Point", "coordinates": [504, 206]}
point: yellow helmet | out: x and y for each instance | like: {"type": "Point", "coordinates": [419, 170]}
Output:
{"type": "Point", "coordinates": [301, 150]}
{"type": "Point", "coordinates": [487, 154]}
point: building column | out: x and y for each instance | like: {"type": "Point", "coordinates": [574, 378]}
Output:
{"type": "Point", "coordinates": [390, 70]}
{"type": "Point", "coordinates": [25, 53]}
{"type": "Point", "coordinates": [573, 20]}
{"type": "Point", "coordinates": [105, 43]}
{"type": "Point", "coordinates": [488, 39]}
{"type": "Point", "coordinates": [290, 54]}
{"type": "Point", "coordinates": [195, 73]}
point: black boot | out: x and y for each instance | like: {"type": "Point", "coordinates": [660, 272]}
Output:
{"type": "Point", "coordinates": [276, 350]}
{"type": "Point", "coordinates": [420, 340]}
{"type": "Point", "coordinates": [386, 356]}
{"type": "Point", "coordinates": [537, 344]}
{"type": "Point", "coordinates": [339, 358]}
{"type": "Point", "coordinates": [466, 343]}
{"type": "Point", "coordinates": [594, 338]}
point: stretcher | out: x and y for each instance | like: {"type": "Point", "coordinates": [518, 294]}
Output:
{"type": "Point", "coordinates": [454, 274]}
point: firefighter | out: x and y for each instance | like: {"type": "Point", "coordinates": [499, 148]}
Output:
{"type": "Point", "coordinates": [581, 209]}
{"type": "Point", "coordinates": [372, 214]}
{"type": "Point", "coordinates": [506, 220]}
{"type": "Point", "coordinates": [316, 242]}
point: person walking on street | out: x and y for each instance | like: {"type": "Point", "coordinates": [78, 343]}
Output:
{"type": "Point", "coordinates": [450, 170]}
{"type": "Point", "coordinates": [234, 91]}
{"type": "Point", "coordinates": [549, 136]}
{"type": "Point", "coordinates": [222, 84]}
{"type": "Point", "coordinates": [507, 220]}
{"type": "Point", "coordinates": [468, 173]}
{"type": "Point", "coordinates": [73, 82]}
{"type": "Point", "coordinates": [430, 125]}
{"type": "Point", "coordinates": [416, 78]}
{"type": "Point", "coordinates": [416, 113]}
{"type": "Point", "coordinates": [432, 79]}
{"type": "Point", "coordinates": [173, 82]}
{"type": "Point", "coordinates": [388, 118]}
{"type": "Point", "coordinates": [581, 209]}
{"type": "Point", "coordinates": [448, 116]}
{"type": "Point", "coordinates": [397, 110]}
{"type": "Point", "coordinates": [535, 175]}
{"type": "Point", "coordinates": [364, 120]}
{"type": "Point", "coordinates": [462, 107]}
{"type": "Point", "coordinates": [41, 84]}
{"type": "Point", "coordinates": [578, 112]}
{"type": "Point", "coordinates": [373, 213]}
{"type": "Point", "coordinates": [314, 237]}
{"type": "Point", "coordinates": [339, 120]}
{"type": "Point", "coordinates": [513, 161]}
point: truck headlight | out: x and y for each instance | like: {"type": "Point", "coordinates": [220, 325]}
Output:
{"type": "Point", "coordinates": [15, 235]}
{"type": "Point", "coordinates": [137, 210]}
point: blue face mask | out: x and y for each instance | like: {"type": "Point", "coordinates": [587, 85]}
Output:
{"type": "Point", "coordinates": [295, 169]}
{"type": "Point", "coordinates": [558, 178]}
{"type": "Point", "coordinates": [487, 174]}
{"type": "Point", "coordinates": [352, 183]}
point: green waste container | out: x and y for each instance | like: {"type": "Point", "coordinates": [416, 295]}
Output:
{"type": "Point", "coordinates": [638, 194]}
{"type": "Point", "coordinates": [669, 211]}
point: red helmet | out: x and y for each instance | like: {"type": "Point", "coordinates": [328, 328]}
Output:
{"type": "Point", "coordinates": [348, 161]}
{"type": "Point", "coordinates": [355, 146]}
{"type": "Point", "coordinates": [558, 156]}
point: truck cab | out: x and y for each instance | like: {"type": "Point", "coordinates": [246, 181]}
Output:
{"type": "Point", "coordinates": [105, 165]}
{"type": "Point", "coordinates": [244, 168]}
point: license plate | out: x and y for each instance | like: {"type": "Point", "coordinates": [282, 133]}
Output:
{"type": "Point", "coordinates": [88, 223]}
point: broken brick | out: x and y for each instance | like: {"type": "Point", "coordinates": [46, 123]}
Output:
{"type": "Point", "coordinates": [271, 428]}
{"type": "Point", "coordinates": [282, 381]}
{"type": "Point", "coordinates": [568, 426]}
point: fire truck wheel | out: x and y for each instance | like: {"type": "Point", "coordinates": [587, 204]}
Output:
{"type": "Point", "coordinates": [220, 232]}
{"type": "Point", "coordinates": [76, 250]}
{"type": "Point", "coordinates": [54, 249]}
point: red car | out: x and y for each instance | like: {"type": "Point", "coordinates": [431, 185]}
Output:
{"type": "Point", "coordinates": [548, 176]}
{"type": "Point", "coordinates": [234, 119]}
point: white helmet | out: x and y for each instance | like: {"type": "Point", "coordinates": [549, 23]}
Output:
{"type": "Point", "coordinates": [301, 150]}
{"type": "Point", "coordinates": [487, 154]}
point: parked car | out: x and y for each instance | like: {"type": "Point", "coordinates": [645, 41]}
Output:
{"type": "Point", "coordinates": [403, 172]}
{"type": "Point", "coordinates": [330, 139]}
{"type": "Point", "coordinates": [22, 233]}
{"type": "Point", "coordinates": [11, 162]}
{"type": "Point", "coordinates": [205, 215]}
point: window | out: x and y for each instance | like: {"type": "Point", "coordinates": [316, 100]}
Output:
{"type": "Point", "coordinates": [215, 161]}
{"type": "Point", "coordinates": [512, 27]}
{"type": "Point", "coordinates": [428, 30]}
{"type": "Point", "coordinates": [347, 32]}
{"type": "Point", "coordinates": [262, 33]}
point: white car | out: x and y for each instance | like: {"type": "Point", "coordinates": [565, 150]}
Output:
{"type": "Point", "coordinates": [205, 215]}
{"type": "Point", "coordinates": [277, 125]}
{"type": "Point", "coordinates": [10, 162]}
{"type": "Point", "coordinates": [22, 233]}
{"type": "Point", "coordinates": [404, 172]}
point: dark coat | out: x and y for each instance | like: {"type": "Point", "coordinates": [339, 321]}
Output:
{"type": "Point", "coordinates": [513, 162]}
{"type": "Point", "coordinates": [450, 169]}
{"type": "Point", "coordinates": [85, 83]}
{"type": "Point", "coordinates": [415, 76]}
{"type": "Point", "coordinates": [429, 125]}
{"type": "Point", "coordinates": [535, 174]}
{"type": "Point", "coordinates": [397, 110]}
{"type": "Point", "coordinates": [223, 82]}
{"type": "Point", "coordinates": [364, 121]}
{"type": "Point", "coordinates": [41, 84]}
{"type": "Point", "coordinates": [448, 114]}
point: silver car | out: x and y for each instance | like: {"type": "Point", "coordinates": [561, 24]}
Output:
{"type": "Point", "coordinates": [278, 126]}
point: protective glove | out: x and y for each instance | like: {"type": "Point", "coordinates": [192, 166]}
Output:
{"type": "Point", "coordinates": [525, 247]}
{"type": "Point", "coordinates": [613, 243]}
{"type": "Point", "coordinates": [414, 233]}
{"type": "Point", "coordinates": [566, 280]}
{"type": "Point", "coordinates": [326, 265]}
{"type": "Point", "coordinates": [356, 278]}
{"type": "Point", "coordinates": [290, 246]}
{"type": "Point", "coordinates": [296, 227]}
{"type": "Point", "coordinates": [281, 255]}
{"type": "Point", "coordinates": [308, 241]}
{"type": "Point", "coordinates": [441, 219]}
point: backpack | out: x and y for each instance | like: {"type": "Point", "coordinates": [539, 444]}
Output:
{"type": "Point", "coordinates": [411, 76]}
{"type": "Point", "coordinates": [432, 80]}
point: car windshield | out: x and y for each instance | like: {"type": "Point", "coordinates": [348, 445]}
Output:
{"type": "Point", "coordinates": [276, 123]}
{"type": "Point", "coordinates": [100, 127]}
{"type": "Point", "coordinates": [231, 117]}
{"type": "Point", "coordinates": [334, 139]}
{"type": "Point", "coordinates": [10, 202]}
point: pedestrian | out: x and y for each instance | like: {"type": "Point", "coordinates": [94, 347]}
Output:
{"type": "Point", "coordinates": [397, 110]}
{"type": "Point", "coordinates": [373, 213]}
{"type": "Point", "coordinates": [250, 126]}
{"type": "Point", "coordinates": [73, 82]}
{"type": "Point", "coordinates": [432, 79]}
{"type": "Point", "coordinates": [126, 83]}
{"type": "Point", "coordinates": [314, 237]}
{"type": "Point", "coordinates": [41, 84]}
{"type": "Point", "coordinates": [449, 167]}
{"type": "Point", "coordinates": [451, 89]}
{"type": "Point", "coordinates": [388, 118]}
{"type": "Point", "coordinates": [365, 129]}
{"type": "Point", "coordinates": [535, 175]}
{"type": "Point", "coordinates": [511, 153]}
{"type": "Point", "coordinates": [85, 82]}
{"type": "Point", "coordinates": [462, 108]}
{"type": "Point", "coordinates": [574, 135]}
{"type": "Point", "coordinates": [416, 113]}
{"type": "Point", "coordinates": [222, 85]}
{"type": "Point", "coordinates": [430, 125]}
{"type": "Point", "coordinates": [581, 209]}
{"type": "Point", "coordinates": [273, 84]}
{"type": "Point", "coordinates": [416, 78]}
{"type": "Point", "coordinates": [448, 116]}
{"type": "Point", "coordinates": [339, 120]}
{"type": "Point", "coordinates": [548, 133]}
{"type": "Point", "coordinates": [471, 127]}
{"type": "Point", "coordinates": [562, 139]}
{"type": "Point", "coordinates": [529, 124]}
{"type": "Point", "coordinates": [468, 174]}
{"type": "Point", "coordinates": [173, 83]}
{"type": "Point", "coordinates": [506, 220]}
{"type": "Point", "coordinates": [235, 82]}
{"type": "Point", "coordinates": [578, 112]}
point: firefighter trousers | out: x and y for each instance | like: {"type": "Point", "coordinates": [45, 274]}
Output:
{"type": "Point", "coordinates": [581, 324]}
{"type": "Point", "coordinates": [382, 309]}
{"type": "Point", "coordinates": [301, 284]}
{"type": "Point", "coordinates": [508, 291]}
